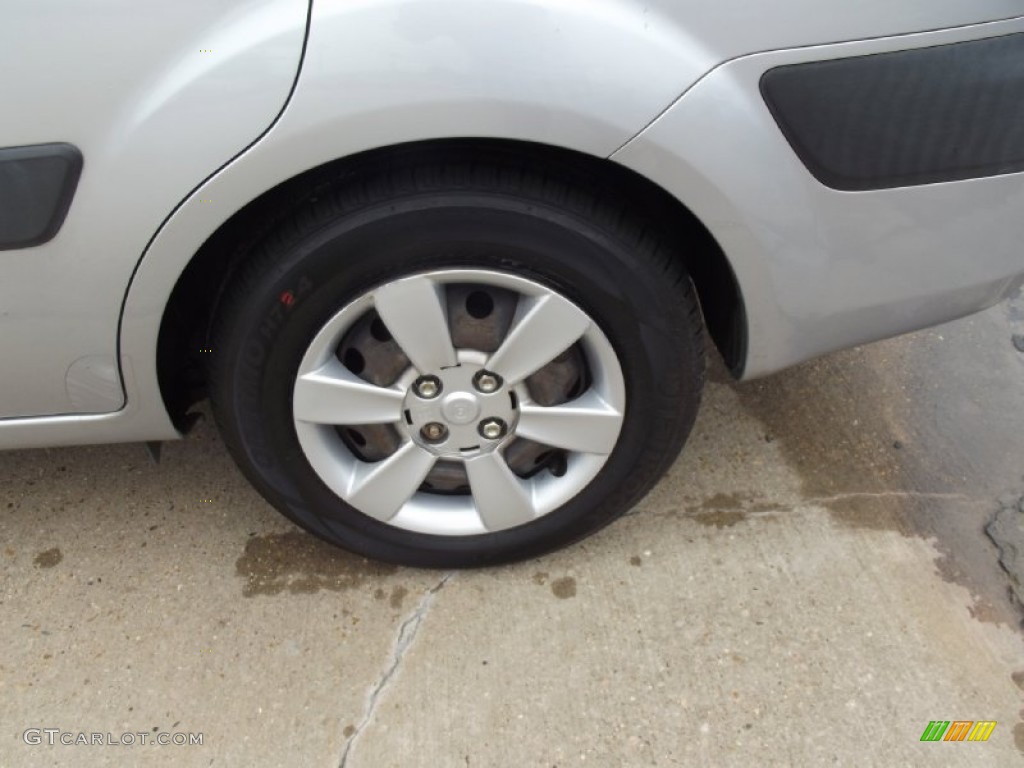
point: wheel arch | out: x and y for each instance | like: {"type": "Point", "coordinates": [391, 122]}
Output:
{"type": "Point", "coordinates": [183, 341]}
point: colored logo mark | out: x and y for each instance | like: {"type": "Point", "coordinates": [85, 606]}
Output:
{"type": "Point", "coordinates": [958, 730]}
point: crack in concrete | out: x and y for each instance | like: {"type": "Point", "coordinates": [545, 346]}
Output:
{"type": "Point", "coordinates": [762, 507]}
{"type": "Point", "coordinates": [407, 632]}
{"type": "Point", "coordinates": [922, 495]}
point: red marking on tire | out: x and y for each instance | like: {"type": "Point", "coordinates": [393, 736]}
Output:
{"type": "Point", "coordinates": [287, 298]}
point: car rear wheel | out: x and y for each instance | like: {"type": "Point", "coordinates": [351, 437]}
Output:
{"type": "Point", "coordinates": [451, 366]}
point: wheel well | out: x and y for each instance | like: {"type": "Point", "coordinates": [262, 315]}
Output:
{"type": "Point", "coordinates": [183, 346]}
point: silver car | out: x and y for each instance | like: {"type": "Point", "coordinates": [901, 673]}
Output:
{"type": "Point", "coordinates": [446, 268]}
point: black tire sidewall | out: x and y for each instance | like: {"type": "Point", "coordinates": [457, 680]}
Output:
{"type": "Point", "coordinates": [270, 327]}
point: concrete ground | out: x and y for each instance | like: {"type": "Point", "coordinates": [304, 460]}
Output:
{"type": "Point", "coordinates": [810, 585]}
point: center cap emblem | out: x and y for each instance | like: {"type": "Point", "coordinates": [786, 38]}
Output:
{"type": "Point", "coordinates": [460, 408]}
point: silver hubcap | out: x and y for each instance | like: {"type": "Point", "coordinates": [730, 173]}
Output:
{"type": "Point", "coordinates": [459, 402]}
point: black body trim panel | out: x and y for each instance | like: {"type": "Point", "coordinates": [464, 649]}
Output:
{"type": "Point", "coordinates": [904, 118]}
{"type": "Point", "coordinates": [37, 184]}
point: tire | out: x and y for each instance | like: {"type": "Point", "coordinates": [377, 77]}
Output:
{"type": "Point", "coordinates": [339, 395]}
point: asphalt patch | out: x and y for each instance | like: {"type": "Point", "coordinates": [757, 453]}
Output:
{"type": "Point", "coordinates": [1007, 532]}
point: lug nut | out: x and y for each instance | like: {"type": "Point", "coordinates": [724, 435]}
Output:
{"type": "Point", "coordinates": [434, 432]}
{"type": "Point", "coordinates": [427, 387]}
{"type": "Point", "coordinates": [492, 429]}
{"type": "Point", "coordinates": [487, 382]}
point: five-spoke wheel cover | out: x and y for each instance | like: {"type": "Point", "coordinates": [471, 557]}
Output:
{"type": "Point", "coordinates": [329, 397]}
